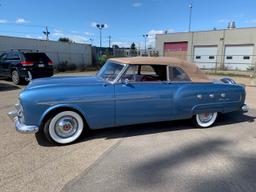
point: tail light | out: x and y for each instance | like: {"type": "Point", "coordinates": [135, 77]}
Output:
{"type": "Point", "coordinates": [50, 62]}
{"type": "Point", "coordinates": [27, 63]}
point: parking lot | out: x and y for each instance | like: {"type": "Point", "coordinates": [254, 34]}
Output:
{"type": "Point", "coordinates": [170, 156]}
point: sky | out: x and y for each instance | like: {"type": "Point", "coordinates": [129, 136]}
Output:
{"type": "Point", "coordinates": [126, 20]}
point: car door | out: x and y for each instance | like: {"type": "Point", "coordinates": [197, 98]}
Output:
{"type": "Point", "coordinates": [11, 61]}
{"type": "Point", "coordinates": [139, 101]}
{"type": "Point", "coordinates": [2, 64]}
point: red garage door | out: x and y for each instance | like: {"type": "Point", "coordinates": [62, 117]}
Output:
{"type": "Point", "coordinates": [176, 49]}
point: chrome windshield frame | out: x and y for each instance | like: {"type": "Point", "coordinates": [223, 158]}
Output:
{"type": "Point", "coordinates": [118, 75]}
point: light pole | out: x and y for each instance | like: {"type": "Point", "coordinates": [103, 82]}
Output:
{"type": "Point", "coordinates": [190, 15]}
{"type": "Point", "coordinates": [145, 37]}
{"type": "Point", "coordinates": [100, 27]}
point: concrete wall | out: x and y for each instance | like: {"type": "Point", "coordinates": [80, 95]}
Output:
{"type": "Point", "coordinates": [57, 51]}
{"type": "Point", "coordinates": [220, 38]}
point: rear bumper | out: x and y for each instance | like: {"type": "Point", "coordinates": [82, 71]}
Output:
{"type": "Point", "coordinates": [36, 73]}
{"type": "Point", "coordinates": [20, 127]}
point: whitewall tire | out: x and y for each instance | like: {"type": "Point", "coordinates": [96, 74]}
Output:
{"type": "Point", "coordinates": [205, 119]}
{"type": "Point", "coordinates": [64, 127]}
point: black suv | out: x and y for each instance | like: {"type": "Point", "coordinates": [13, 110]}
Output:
{"type": "Point", "coordinates": [23, 66]}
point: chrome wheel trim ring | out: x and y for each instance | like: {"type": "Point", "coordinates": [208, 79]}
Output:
{"type": "Point", "coordinates": [206, 119]}
{"type": "Point", "coordinates": [66, 127]}
{"type": "Point", "coordinates": [15, 76]}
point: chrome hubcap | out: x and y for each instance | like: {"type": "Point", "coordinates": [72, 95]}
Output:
{"type": "Point", "coordinates": [15, 76]}
{"type": "Point", "coordinates": [66, 127]}
{"type": "Point", "coordinates": [205, 117]}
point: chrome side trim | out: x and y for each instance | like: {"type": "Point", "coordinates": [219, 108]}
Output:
{"type": "Point", "coordinates": [119, 97]}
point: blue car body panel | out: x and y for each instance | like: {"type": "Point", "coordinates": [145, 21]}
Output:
{"type": "Point", "coordinates": [103, 104]}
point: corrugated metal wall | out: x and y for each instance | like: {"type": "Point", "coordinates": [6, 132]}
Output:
{"type": "Point", "coordinates": [58, 51]}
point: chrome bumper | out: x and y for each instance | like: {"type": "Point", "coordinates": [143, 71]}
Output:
{"type": "Point", "coordinates": [244, 108]}
{"type": "Point", "coordinates": [20, 127]}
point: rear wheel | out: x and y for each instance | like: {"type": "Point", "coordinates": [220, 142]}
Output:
{"type": "Point", "coordinates": [15, 77]}
{"type": "Point", "coordinates": [64, 127]}
{"type": "Point", "coordinates": [205, 119]}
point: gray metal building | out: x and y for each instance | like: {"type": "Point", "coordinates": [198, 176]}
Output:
{"type": "Point", "coordinates": [59, 52]}
{"type": "Point", "coordinates": [225, 49]}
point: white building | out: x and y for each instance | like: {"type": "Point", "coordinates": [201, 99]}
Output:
{"type": "Point", "coordinates": [226, 49]}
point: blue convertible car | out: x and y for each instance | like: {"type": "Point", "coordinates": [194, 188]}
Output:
{"type": "Point", "coordinates": [125, 91]}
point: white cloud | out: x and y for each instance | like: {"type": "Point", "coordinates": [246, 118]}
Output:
{"type": "Point", "coordinates": [78, 38]}
{"type": "Point", "coordinates": [251, 21]}
{"type": "Point", "coordinates": [152, 36]}
{"type": "Point", "coordinates": [223, 20]}
{"type": "Point", "coordinates": [40, 37]}
{"type": "Point", "coordinates": [121, 43]}
{"type": "Point", "coordinates": [21, 21]}
{"type": "Point", "coordinates": [137, 4]}
{"type": "Point", "coordinates": [28, 36]}
{"type": "Point", "coordinates": [3, 21]}
{"type": "Point", "coordinates": [94, 24]}
{"type": "Point", "coordinates": [58, 32]}
{"type": "Point", "coordinates": [88, 33]}
{"type": "Point", "coordinates": [74, 36]}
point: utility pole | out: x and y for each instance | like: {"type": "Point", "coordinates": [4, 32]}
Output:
{"type": "Point", "coordinates": [91, 40]}
{"type": "Point", "coordinates": [145, 37]}
{"type": "Point", "coordinates": [109, 41]}
{"type": "Point", "coordinates": [46, 33]}
{"type": "Point", "coordinates": [190, 16]}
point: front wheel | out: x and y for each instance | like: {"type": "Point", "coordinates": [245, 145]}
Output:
{"type": "Point", "coordinates": [64, 127]}
{"type": "Point", "coordinates": [205, 119]}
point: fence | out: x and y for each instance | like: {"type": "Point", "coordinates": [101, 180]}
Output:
{"type": "Point", "coordinates": [244, 65]}
{"type": "Point", "coordinates": [58, 52]}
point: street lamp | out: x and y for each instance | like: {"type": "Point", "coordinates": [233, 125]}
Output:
{"type": "Point", "coordinates": [145, 37]}
{"type": "Point", "coordinates": [190, 15]}
{"type": "Point", "coordinates": [100, 27]}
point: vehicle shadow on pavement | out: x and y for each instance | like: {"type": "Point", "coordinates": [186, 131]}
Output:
{"type": "Point", "coordinates": [150, 128]}
{"type": "Point", "coordinates": [162, 170]}
{"type": "Point", "coordinates": [7, 87]}
{"type": "Point", "coordinates": [234, 117]}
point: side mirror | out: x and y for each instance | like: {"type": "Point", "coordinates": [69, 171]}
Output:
{"type": "Point", "coordinates": [126, 81]}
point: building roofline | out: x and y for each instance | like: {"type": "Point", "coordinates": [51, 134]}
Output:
{"type": "Point", "coordinates": [6, 36]}
{"type": "Point", "coordinates": [210, 30]}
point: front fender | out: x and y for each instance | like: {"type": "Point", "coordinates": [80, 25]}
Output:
{"type": "Point", "coordinates": [57, 106]}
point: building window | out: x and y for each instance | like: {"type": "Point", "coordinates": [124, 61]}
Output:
{"type": "Point", "coordinates": [211, 57]}
{"type": "Point", "coordinates": [229, 57]}
{"type": "Point", "coordinates": [246, 57]}
{"type": "Point", "coordinates": [198, 57]}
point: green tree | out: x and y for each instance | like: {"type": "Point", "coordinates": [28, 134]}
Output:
{"type": "Point", "coordinates": [65, 40]}
{"type": "Point", "coordinates": [133, 49]}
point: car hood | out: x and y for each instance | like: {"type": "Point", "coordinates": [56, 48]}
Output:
{"type": "Point", "coordinates": [63, 81]}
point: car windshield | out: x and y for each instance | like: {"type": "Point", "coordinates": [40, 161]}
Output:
{"type": "Point", "coordinates": [110, 71]}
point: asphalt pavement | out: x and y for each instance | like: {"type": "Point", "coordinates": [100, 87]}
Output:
{"type": "Point", "coordinates": [175, 157]}
{"type": "Point", "coordinates": [172, 156]}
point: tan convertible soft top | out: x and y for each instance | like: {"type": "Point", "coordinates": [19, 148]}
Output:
{"type": "Point", "coordinates": [194, 73]}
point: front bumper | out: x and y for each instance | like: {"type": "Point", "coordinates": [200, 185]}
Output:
{"type": "Point", "coordinates": [244, 108]}
{"type": "Point", "coordinates": [21, 127]}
